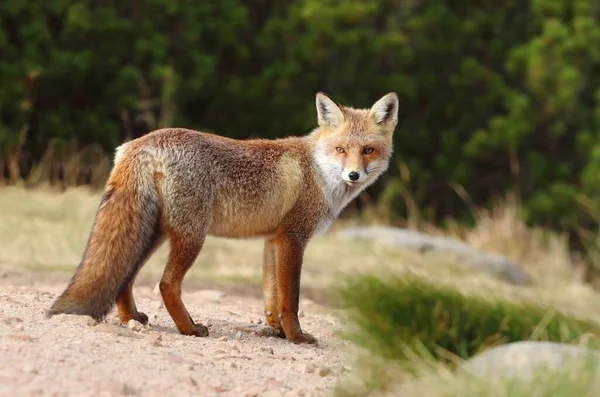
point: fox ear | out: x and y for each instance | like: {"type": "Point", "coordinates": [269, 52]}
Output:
{"type": "Point", "coordinates": [385, 110]}
{"type": "Point", "coordinates": [328, 112]}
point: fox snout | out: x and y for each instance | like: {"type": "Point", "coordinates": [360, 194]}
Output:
{"type": "Point", "coordinates": [351, 176]}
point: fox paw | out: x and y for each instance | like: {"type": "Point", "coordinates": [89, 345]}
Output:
{"type": "Point", "coordinates": [139, 317]}
{"type": "Point", "coordinates": [281, 333]}
{"type": "Point", "coordinates": [142, 318]}
{"type": "Point", "coordinates": [200, 330]}
{"type": "Point", "coordinates": [304, 337]}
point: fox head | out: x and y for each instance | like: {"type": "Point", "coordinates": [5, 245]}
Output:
{"type": "Point", "coordinates": [354, 145]}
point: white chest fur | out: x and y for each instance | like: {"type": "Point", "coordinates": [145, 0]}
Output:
{"type": "Point", "coordinates": [336, 192]}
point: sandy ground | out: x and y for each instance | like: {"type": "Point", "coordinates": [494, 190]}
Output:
{"type": "Point", "coordinates": [71, 355]}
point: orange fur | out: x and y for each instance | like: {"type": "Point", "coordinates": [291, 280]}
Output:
{"type": "Point", "coordinates": [183, 185]}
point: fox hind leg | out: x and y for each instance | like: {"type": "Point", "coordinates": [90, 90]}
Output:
{"type": "Point", "coordinates": [181, 257]}
{"type": "Point", "coordinates": [125, 302]}
{"type": "Point", "coordinates": [127, 308]}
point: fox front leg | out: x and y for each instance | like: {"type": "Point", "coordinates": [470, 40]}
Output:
{"type": "Point", "coordinates": [270, 287]}
{"type": "Point", "coordinates": [289, 256]}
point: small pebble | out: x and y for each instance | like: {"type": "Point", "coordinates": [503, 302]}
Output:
{"type": "Point", "coordinates": [135, 325]}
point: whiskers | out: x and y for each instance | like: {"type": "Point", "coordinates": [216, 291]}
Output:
{"type": "Point", "coordinates": [372, 169]}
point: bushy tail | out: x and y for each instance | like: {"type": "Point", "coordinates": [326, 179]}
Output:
{"type": "Point", "coordinates": [125, 230]}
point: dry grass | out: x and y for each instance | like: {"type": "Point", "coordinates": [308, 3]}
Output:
{"type": "Point", "coordinates": [502, 230]}
{"type": "Point", "coordinates": [45, 230]}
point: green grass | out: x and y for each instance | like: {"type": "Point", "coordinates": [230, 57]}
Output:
{"type": "Point", "coordinates": [406, 315]}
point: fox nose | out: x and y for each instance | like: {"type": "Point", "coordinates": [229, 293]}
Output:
{"type": "Point", "coordinates": [353, 176]}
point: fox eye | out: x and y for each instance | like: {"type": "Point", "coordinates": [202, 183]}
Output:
{"type": "Point", "coordinates": [339, 149]}
{"type": "Point", "coordinates": [368, 150]}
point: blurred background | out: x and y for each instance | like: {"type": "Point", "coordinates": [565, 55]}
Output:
{"type": "Point", "coordinates": [483, 231]}
{"type": "Point", "coordinates": [499, 98]}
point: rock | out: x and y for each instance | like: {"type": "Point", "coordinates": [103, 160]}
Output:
{"type": "Point", "coordinates": [74, 319]}
{"type": "Point", "coordinates": [409, 239]}
{"type": "Point", "coordinates": [238, 335]}
{"type": "Point", "coordinates": [135, 325]}
{"type": "Point", "coordinates": [521, 358]}
{"type": "Point", "coordinates": [324, 371]}
{"type": "Point", "coordinates": [223, 338]}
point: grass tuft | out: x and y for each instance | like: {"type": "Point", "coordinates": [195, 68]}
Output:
{"type": "Point", "coordinates": [406, 316]}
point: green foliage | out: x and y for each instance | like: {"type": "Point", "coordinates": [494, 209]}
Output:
{"type": "Point", "coordinates": [102, 71]}
{"type": "Point", "coordinates": [495, 95]}
{"type": "Point", "coordinates": [404, 315]}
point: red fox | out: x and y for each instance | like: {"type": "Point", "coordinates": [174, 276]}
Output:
{"type": "Point", "coordinates": [183, 185]}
